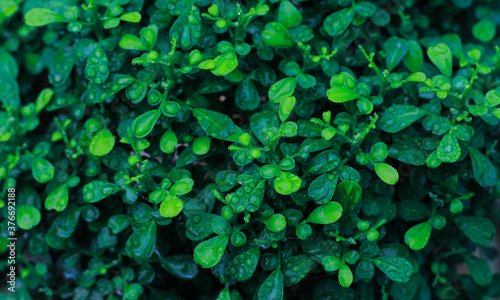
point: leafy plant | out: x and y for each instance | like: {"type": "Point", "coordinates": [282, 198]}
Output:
{"type": "Point", "coordinates": [250, 149]}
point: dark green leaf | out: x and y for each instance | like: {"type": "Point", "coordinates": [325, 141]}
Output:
{"type": "Point", "coordinates": [398, 117]}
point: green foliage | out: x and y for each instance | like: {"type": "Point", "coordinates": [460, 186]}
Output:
{"type": "Point", "coordinates": [235, 150]}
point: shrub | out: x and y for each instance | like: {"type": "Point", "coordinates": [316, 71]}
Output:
{"type": "Point", "coordinates": [198, 149]}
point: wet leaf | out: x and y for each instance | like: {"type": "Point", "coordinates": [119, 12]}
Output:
{"type": "Point", "coordinates": [272, 287]}
{"type": "Point", "coordinates": [181, 266]}
{"type": "Point", "coordinates": [28, 217]}
{"type": "Point", "coordinates": [326, 214]}
{"type": "Point", "coordinates": [418, 236]}
{"type": "Point", "coordinates": [295, 268]}
{"type": "Point", "coordinates": [348, 194]}
{"type": "Point", "coordinates": [336, 23]}
{"type": "Point", "coordinates": [396, 268]}
{"type": "Point", "coordinates": [243, 266]}
{"type": "Point", "coordinates": [398, 117]}
{"type": "Point", "coordinates": [217, 125]}
{"type": "Point", "coordinates": [43, 171]}
{"type": "Point", "coordinates": [387, 173]}
{"type": "Point", "coordinates": [484, 171]}
{"type": "Point", "coordinates": [58, 199]}
{"type": "Point", "coordinates": [440, 55]}
{"type": "Point", "coordinates": [396, 49]}
{"type": "Point", "coordinates": [102, 143]}
{"type": "Point", "coordinates": [247, 97]}
{"type": "Point", "coordinates": [208, 253]}
{"type": "Point", "coordinates": [479, 270]}
{"type": "Point", "coordinates": [340, 94]}
{"type": "Point", "coordinates": [449, 149]}
{"type": "Point", "coordinates": [480, 230]}
{"type": "Point", "coordinates": [141, 244]}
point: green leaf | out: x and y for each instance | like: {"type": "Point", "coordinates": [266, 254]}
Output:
{"type": "Point", "coordinates": [281, 89]}
{"type": "Point", "coordinates": [345, 276]}
{"type": "Point", "coordinates": [43, 170]}
{"type": "Point", "coordinates": [418, 236]}
{"type": "Point", "coordinates": [285, 109]}
{"type": "Point", "coordinates": [201, 145]}
{"type": "Point", "coordinates": [114, 84]}
{"type": "Point", "coordinates": [247, 97]}
{"type": "Point", "coordinates": [168, 142]}
{"type": "Point", "coordinates": [105, 239]}
{"type": "Point", "coordinates": [484, 171]}
{"type": "Point", "coordinates": [131, 42]}
{"type": "Point", "coordinates": [144, 124]}
{"type": "Point", "coordinates": [199, 226]}
{"type": "Point", "coordinates": [340, 94]}
{"type": "Point", "coordinates": [64, 225]}
{"type": "Point", "coordinates": [217, 125]}
{"type": "Point", "coordinates": [102, 143]}
{"type": "Point", "coordinates": [287, 183]}
{"type": "Point", "coordinates": [441, 57]}
{"type": "Point", "coordinates": [42, 16]}
{"type": "Point", "coordinates": [133, 17]}
{"type": "Point", "coordinates": [96, 191]}
{"type": "Point", "coordinates": [171, 207]}
{"type": "Point", "coordinates": [141, 244]}
{"type": "Point", "coordinates": [449, 149]}
{"type": "Point", "coordinates": [331, 263]}
{"type": "Point", "coordinates": [479, 270]}
{"type": "Point", "coordinates": [484, 30]}
{"type": "Point", "coordinates": [295, 268]}
{"type": "Point", "coordinates": [118, 223]}
{"type": "Point", "coordinates": [97, 68]}
{"type": "Point", "coordinates": [491, 99]}
{"type": "Point", "coordinates": [264, 125]}
{"type": "Point", "coordinates": [243, 266]}
{"type": "Point", "coordinates": [276, 223]}
{"type": "Point", "coordinates": [365, 8]}
{"type": "Point", "coordinates": [186, 30]}
{"type": "Point", "coordinates": [322, 189]}
{"type": "Point", "coordinates": [417, 77]}
{"type": "Point", "coordinates": [272, 287]}
{"type": "Point", "coordinates": [208, 253]}
{"type": "Point", "coordinates": [249, 197]}
{"type": "Point", "coordinates": [276, 35]}
{"type": "Point", "coordinates": [326, 214]}
{"type": "Point", "coordinates": [397, 269]}
{"type": "Point", "coordinates": [133, 291]}
{"type": "Point", "coordinates": [181, 266]}
{"type": "Point", "coordinates": [224, 294]}
{"type": "Point", "coordinates": [9, 88]}
{"type": "Point", "coordinates": [365, 270]}
{"type": "Point", "coordinates": [463, 132]}
{"type": "Point", "coordinates": [395, 49]}
{"type": "Point", "coordinates": [387, 173]}
{"type": "Point", "coordinates": [326, 161]}
{"type": "Point", "coordinates": [336, 23]}
{"type": "Point", "coordinates": [28, 217]}
{"type": "Point", "coordinates": [289, 15]}
{"type": "Point", "coordinates": [398, 117]}
{"type": "Point", "coordinates": [348, 194]}
{"type": "Point", "coordinates": [43, 99]}
{"type": "Point", "coordinates": [480, 230]}
{"type": "Point", "coordinates": [414, 58]}
{"type": "Point", "coordinates": [149, 34]}
{"type": "Point", "coordinates": [225, 64]}
{"type": "Point", "coordinates": [111, 23]}
{"type": "Point", "coordinates": [182, 187]}
{"type": "Point", "coordinates": [58, 198]}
